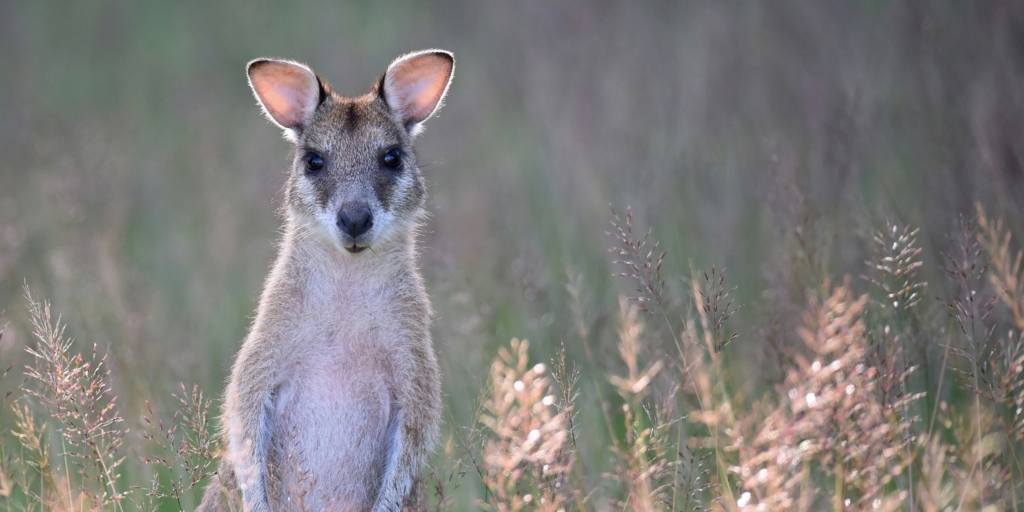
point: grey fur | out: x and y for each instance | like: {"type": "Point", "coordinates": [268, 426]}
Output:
{"type": "Point", "coordinates": [334, 400]}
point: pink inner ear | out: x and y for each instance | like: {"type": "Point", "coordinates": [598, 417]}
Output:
{"type": "Point", "coordinates": [415, 87]}
{"type": "Point", "coordinates": [288, 92]}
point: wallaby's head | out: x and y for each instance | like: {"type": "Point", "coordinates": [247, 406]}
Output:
{"type": "Point", "coordinates": [354, 180]}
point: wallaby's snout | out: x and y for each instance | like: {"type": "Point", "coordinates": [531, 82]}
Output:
{"type": "Point", "coordinates": [355, 219]}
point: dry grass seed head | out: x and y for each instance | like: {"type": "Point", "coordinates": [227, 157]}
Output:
{"type": "Point", "coordinates": [76, 392]}
{"type": "Point", "coordinates": [830, 419]}
{"type": "Point", "coordinates": [525, 459]}
{"type": "Point", "coordinates": [645, 466]}
{"type": "Point", "coordinates": [190, 443]}
{"type": "Point", "coordinates": [645, 269]}
{"type": "Point", "coordinates": [935, 489]}
{"type": "Point", "coordinates": [634, 385]}
{"type": "Point", "coordinates": [970, 307]}
{"type": "Point", "coordinates": [895, 264]}
{"type": "Point", "coordinates": [713, 295]}
{"type": "Point", "coordinates": [1006, 275]}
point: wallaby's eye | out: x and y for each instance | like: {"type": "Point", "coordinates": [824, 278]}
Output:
{"type": "Point", "coordinates": [313, 162]}
{"type": "Point", "coordinates": [392, 159]}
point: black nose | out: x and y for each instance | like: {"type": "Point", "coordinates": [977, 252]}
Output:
{"type": "Point", "coordinates": [355, 219]}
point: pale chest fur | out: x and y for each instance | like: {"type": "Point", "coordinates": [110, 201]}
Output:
{"type": "Point", "coordinates": [356, 332]}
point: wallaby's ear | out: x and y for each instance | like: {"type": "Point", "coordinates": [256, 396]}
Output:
{"type": "Point", "coordinates": [415, 85]}
{"type": "Point", "coordinates": [288, 91]}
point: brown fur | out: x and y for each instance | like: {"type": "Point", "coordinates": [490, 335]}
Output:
{"type": "Point", "coordinates": [334, 400]}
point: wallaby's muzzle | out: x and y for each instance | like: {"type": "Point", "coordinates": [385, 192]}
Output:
{"type": "Point", "coordinates": [355, 219]}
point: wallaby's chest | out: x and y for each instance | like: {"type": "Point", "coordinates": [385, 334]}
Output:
{"type": "Point", "coordinates": [343, 339]}
{"type": "Point", "coordinates": [335, 400]}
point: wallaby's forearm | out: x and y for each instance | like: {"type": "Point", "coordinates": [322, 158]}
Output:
{"type": "Point", "coordinates": [416, 434]}
{"type": "Point", "coordinates": [247, 414]}
{"type": "Point", "coordinates": [222, 494]}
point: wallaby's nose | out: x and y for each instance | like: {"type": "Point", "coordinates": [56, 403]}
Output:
{"type": "Point", "coordinates": [355, 219]}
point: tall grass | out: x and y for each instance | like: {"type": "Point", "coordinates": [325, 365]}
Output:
{"type": "Point", "coordinates": [848, 425]}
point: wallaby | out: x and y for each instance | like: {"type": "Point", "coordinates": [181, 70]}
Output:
{"type": "Point", "coordinates": [334, 400]}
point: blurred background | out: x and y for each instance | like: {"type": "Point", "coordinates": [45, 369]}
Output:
{"type": "Point", "coordinates": [139, 181]}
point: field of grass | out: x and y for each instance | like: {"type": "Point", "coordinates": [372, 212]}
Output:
{"type": "Point", "coordinates": [836, 188]}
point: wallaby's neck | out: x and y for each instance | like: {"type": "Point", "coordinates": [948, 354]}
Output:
{"type": "Point", "coordinates": [313, 277]}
